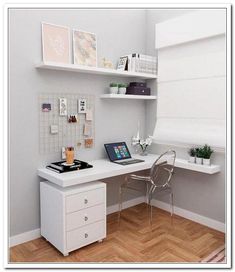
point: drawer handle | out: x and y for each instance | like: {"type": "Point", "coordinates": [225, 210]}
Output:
{"type": "Point", "coordinates": [85, 218]}
{"type": "Point", "coordinates": [85, 201]}
{"type": "Point", "coordinates": [86, 235]}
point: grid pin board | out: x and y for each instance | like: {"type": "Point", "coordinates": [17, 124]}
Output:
{"type": "Point", "coordinates": [56, 131]}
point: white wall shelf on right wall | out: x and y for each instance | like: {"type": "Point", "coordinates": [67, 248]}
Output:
{"type": "Point", "coordinates": [207, 169]}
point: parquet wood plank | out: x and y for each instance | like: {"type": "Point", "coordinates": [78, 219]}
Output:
{"type": "Point", "coordinates": [176, 240]}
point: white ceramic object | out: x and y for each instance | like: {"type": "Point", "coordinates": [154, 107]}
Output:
{"type": "Point", "coordinates": [113, 90]}
{"type": "Point", "coordinates": [206, 161]}
{"type": "Point", "coordinates": [192, 159]}
{"type": "Point", "coordinates": [122, 90]}
{"type": "Point", "coordinates": [198, 160]}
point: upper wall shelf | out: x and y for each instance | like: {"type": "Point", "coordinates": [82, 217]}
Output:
{"type": "Point", "coordinates": [93, 70]}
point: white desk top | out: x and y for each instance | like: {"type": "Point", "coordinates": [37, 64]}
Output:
{"type": "Point", "coordinates": [104, 169]}
{"type": "Point", "coordinates": [101, 169]}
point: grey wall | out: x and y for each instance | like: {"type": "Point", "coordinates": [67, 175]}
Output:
{"type": "Point", "coordinates": [197, 192]}
{"type": "Point", "coordinates": [119, 32]}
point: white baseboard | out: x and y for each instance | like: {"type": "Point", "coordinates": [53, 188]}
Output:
{"type": "Point", "coordinates": [126, 204]}
{"type": "Point", "coordinates": [24, 237]}
{"type": "Point", "coordinates": [34, 234]}
{"type": "Point", "coordinates": [191, 216]}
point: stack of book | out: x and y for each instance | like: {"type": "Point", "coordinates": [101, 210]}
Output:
{"type": "Point", "coordinates": [142, 63]}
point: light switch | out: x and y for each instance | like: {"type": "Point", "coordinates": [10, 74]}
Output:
{"type": "Point", "coordinates": [54, 129]}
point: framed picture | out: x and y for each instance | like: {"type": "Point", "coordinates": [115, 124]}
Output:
{"type": "Point", "coordinates": [84, 48]}
{"type": "Point", "coordinates": [55, 43]}
{"type": "Point", "coordinates": [122, 63]}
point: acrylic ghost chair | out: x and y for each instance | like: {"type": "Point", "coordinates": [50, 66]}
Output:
{"type": "Point", "coordinates": [158, 180]}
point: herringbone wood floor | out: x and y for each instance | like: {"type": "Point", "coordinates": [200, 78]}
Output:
{"type": "Point", "coordinates": [133, 241]}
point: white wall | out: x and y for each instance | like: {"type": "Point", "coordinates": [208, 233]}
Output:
{"type": "Point", "coordinates": [199, 193]}
{"type": "Point", "coordinates": [118, 32]}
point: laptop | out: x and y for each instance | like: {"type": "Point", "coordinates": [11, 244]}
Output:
{"type": "Point", "coordinates": [119, 153]}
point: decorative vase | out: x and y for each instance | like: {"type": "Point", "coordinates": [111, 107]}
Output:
{"type": "Point", "coordinates": [113, 90]}
{"type": "Point", "coordinates": [192, 159]}
{"type": "Point", "coordinates": [144, 152]}
{"type": "Point", "coordinates": [206, 161]}
{"type": "Point", "coordinates": [122, 90]}
{"type": "Point", "coordinates": [198, 160]}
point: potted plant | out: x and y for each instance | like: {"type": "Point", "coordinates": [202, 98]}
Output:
{"type": "Point", "coordinates": [122, 88]}
{"type": "Point", "coordinates": [192, 154]}
{"type": "Point", "coordinates": [113, 88]}
{"type": "Point", "coordinates": [199, 155]}
{"type": "Point", "coordinates": [207, 152]}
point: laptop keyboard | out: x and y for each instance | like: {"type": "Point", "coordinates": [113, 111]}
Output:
{"type": "Point", "coordinates": [130, 162]}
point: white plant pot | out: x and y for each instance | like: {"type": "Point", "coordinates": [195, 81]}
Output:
{"type": "Point", "coordinates": [122, 90]}
{"type": "Point", "coordinates": [198, 160]}
{"type": "Point", "coordinates": [113, 90]}
{"type": "Point", "coordinates": [206, 161]}
{"type": "Point", "coordinates": [192, 159]}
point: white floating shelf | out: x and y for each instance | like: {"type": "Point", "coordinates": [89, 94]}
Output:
{"type": "Point", "coordinates": [128, 96]}
{"type": "Point", "coordinates": [208, 169]}
{"type": "Point", "coordinates": [93, 70]}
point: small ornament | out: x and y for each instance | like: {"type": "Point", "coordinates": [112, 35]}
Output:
{"type": "Point", "coordinates": [107, 63]}
{"type": "Point", "coordinates": [72, 118]}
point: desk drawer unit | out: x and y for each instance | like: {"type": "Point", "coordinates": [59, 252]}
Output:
{"type": "Point", "coordinates": [73, 217]}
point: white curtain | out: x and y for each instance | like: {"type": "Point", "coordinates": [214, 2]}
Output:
{"type": "Point", "coordinates": [191, 106]}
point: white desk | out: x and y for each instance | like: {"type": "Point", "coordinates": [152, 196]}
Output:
{"type": "Point", "coordinates": [104, 169]}
{"type": "Point", "coordinates": [75, 216]}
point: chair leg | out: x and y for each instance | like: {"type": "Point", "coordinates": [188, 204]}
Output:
{"type": "Point", "coordinates": [152, 189]}
{"type": "Point", "coordinates": [147, 191]}
{"type": "Point", "coordinates": [171, 201]}
{"type": "Point", "coordinates": [120, 204]}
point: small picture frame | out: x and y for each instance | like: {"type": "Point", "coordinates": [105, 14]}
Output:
{"type": "Point", "coordinates": [46, 107]}
{"type": "Point", "coordinates": [82, 103]}
{"type": "Point", "coordinates": [55, 43]}
{"type": "Point", "coordinates": [122, 63]}
{"type": "Point", "coordinates": [63, 106]}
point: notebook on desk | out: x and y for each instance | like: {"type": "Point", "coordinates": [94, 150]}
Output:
{"type": "Point", "coordinates": [119, 153]}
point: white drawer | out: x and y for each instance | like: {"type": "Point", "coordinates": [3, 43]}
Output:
{"type": "Point", "coordinates": [86, 216]}
{"type": "Point", "coordinates": [86, 235]}
{"type": "Point", "coordinates": [84, 200]}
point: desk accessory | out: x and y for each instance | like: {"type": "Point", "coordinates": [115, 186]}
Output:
{"type": "Point", "coordinates": [69, 155]}
{"type": "Point", "coordinates": [63, 167]}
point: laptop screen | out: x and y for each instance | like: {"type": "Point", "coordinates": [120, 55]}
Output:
{"type": "Point", "coordinates": [117, 151]}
